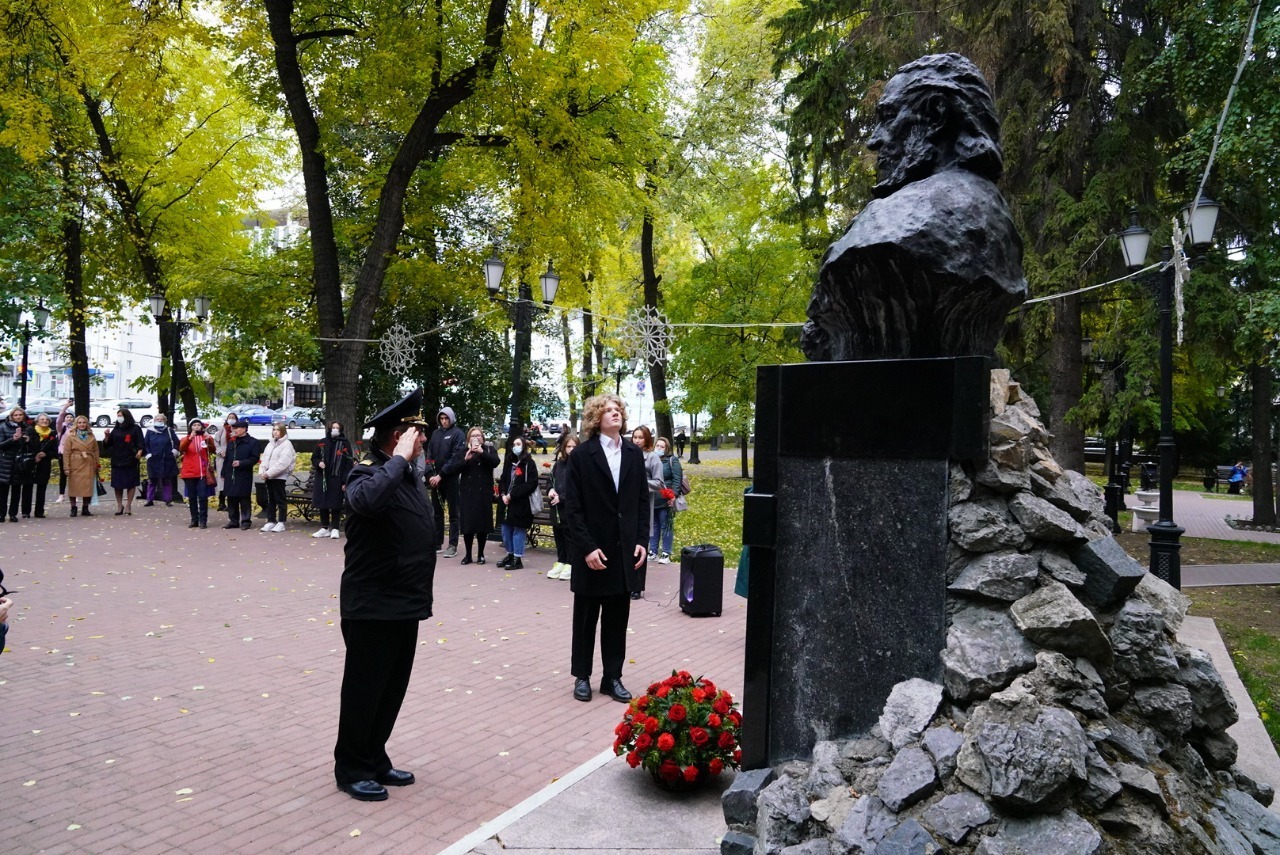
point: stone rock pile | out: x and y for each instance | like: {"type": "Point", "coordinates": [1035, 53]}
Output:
{"type": "Point", "coordinates": [1066, 718]}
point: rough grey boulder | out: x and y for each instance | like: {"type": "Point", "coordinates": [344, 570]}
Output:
{"type": "Point", "coordinates": [1004, 576]}
{"type": "Point", "coordinates": [984, 525]}
{"type": "Point", "coordinates": [1141, 780]}
{"type": "Point", "coordinates": [1110, 574]}
{"type": "Point", "coordinates": [1006, 470]}
{"type": "Point", "coordinates": [1056, 679]}
{"type": "Point", "coordinates": [781, 811]}
{"type": "Point", "coordinates": [909, 709]}
{"type": "Point", "coordinates": [1212, 707]}
{"type": "Point", "coordinates": [1216, 750]}
{"type": "Point", "coordinates": [954, 816]}
{"type": "Point", "coordinates": [1167, 707]}
{"type": "Point", "coordinates": [1043, 521]}
{"type": "Point", "coordinates": [1063, 495]}
{"type": "Point", "coordinates": [1015, 424]}
{"type": "Point", "coordinates": [1102, 784]}
{"type": "Point", "coordinates": [1258, 825]}
{"type": "Point", "coordinates": [1140, 822]}
{"type": "Point", "coordinates": [909, 778]}
{"type": "Point", "coordinates": [1056, 563]}
{"type": "Point", "coordinates": [817, 846]}
{"type": "Point", "coordinates": [1164, 598]}
{"type": "Point", "coordinates": [943, 744]}
{"type": "Point", "coordinates": [984, 652]}
{"type": "Point", "coordinates": [738, 802]}
{"type": "Point", "coordinates": [1021, 754]}
{"type": "Point", "coordinates": [737, 843]}
{"type": "Point", "coordinates": [910, 838]}
{"type": "Point", "coordinates": [959, 484]}
{"type": "Point", "coordinates": [865, 826]}
{"type": "Point", "coordinates": [1054, 618]}
{"type": "Point", "coordinates": [824, 775]}
{"type": "Point", "coordinates": [1141, 646]}
{"type": "Point", "coordinates": [1065, 833]}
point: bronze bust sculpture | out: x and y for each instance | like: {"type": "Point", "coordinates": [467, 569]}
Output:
{"type": "Point", "coordinates": [933, 264]}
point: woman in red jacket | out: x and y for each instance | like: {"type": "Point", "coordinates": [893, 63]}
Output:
{"type": "Point", "coordinates": [197, 471]}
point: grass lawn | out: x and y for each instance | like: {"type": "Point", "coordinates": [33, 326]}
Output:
{"type": "Point", "coordinates": [1248, 616]}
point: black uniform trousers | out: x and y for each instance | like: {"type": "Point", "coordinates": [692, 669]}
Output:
{"type": "Point", "coordinates": [374, 680]}
{"type": "Point", "coordinates": [240, 510]}
{"type": "Point", "coordinates": [446, 494]}
{"type": "Point", "coordinates": [612, 612]}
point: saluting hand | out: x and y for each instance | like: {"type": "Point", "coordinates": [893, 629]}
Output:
{"type": "Point", "coordinates": [409, 444]}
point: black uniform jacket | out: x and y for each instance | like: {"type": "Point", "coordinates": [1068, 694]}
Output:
{"type": "Point", "coordinates": [598, 517]}
{"type": "Point", "coordinates": [237, 481]}
{"type": "Point", "coordinates": [390, 552]}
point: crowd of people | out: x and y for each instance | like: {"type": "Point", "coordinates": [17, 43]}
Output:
{"type": "Point", "coordinates": [474, 489]}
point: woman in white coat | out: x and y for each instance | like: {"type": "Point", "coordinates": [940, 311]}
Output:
{"type": "Point", "coordinates": [274, 466]}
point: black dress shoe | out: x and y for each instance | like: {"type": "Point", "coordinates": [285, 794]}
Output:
{"type": "Point", "coordinates": [582, 690]}
{"type": "Point", "coordinates": [365, 791]}
{"type": "Point", "coordinates": [466, 559]}
{"type": "Point", "coordinates": [244, 526]}
{"type": "Point", "coordinates": [193, 524]}
{"type": "Point", "coordinates": [518, 564]}
{"type": "Point", "coordinates": [506, 562]}
{"type": "Point", "coordinates": [480, 560]}
{"type": "Point", "coordinates": [396, 778]}
{"type": "Point", "coordinates": [232, 525]}
{"type": "Point", "coordinates": [84, 513]}
{"type": "Point", "coordinates": [614, 689]}
{"type": "Point", "coordinates": [149, 505]}
{"type": "Point", "coordinates": [635, 595]}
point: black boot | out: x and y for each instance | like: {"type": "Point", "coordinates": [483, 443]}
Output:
{"type": "Point", "coordinates": [506, 562]}
{"type": "Point", "coordinates": [516, 565]}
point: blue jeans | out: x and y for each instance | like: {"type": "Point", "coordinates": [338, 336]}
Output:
{"type": "Point", "coordinates": [664, 526]}
{"type": "Point", "coordinates": [513, 539]}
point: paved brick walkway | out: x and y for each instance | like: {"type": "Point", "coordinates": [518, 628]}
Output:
{"type": "Point", "coordinates": [1205, 516]}
{"type": "Point", "coordinates": [169, 690]}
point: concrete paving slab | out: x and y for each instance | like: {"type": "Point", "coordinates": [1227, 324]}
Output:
{"type": "Point", "coordinates": [1258, 757]}
{"type": "Point", "coordinates": [1218, 575]}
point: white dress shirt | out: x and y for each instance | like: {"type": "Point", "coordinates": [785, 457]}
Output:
{"type": "Point", "coordinates": [613, 455]}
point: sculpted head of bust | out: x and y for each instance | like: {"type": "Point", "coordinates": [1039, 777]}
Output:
{"type": "Point", "coordinates": [936, 113]}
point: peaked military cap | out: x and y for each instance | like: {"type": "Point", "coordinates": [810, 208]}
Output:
{"type": "Point", "coordinates": [406, 411]}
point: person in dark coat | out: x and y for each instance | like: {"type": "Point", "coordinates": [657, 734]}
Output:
{"type": "Point", "coordinates": [42, 446]}
{"type": "Point", "coordinates": [476, 492]}
{"type": "Point", "coordinates": [237, 475]}
{"type": "Point", "coordinates": [331, 463]}
{"type": "Point", "coordinates": [386, 591]}
{"type": "Point", "coordinates": [606, 509]}
{"type": "Point", "coordinates": [161, 443]}
{"type": "Point", "coordinates": [445, 450]}
{"type": "Point", "coordinates": [13, 439]}
{"type": "Point", "coordinates": [124, 444]}
{"type": "Point", "coordinates": [561, 569]}
{"type": "Point", "coordinates": [518, 482]}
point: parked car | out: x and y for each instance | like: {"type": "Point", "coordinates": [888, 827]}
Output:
{"type": "Point", "coordinates": [254, 414]}
{"type": "Point", "coordinates": [35, 406]}
{"type": "Point", "coordinates": [207, 416]}
{"type": "Point", "coordinates": [103, 413]}
{"type": "Point", "coordinates": [299, 417]}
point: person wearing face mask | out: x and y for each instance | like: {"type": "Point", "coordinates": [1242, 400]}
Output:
{"type": "Point", "coordinates": [331, 463]}
{"type": "Point", "coordinates": [124, 442]}
{"type": "Point", "coordinates": [198, 457]}
{"type": "Point", "coordinates": [519, 480]}
{"type": "Point", "coordinates": [220, 439]}
{"type": "Point", "coordinates": [13, 433]}
{"type": "Point", "coordinates": [80, 456]}
{"type": "Point", "coordinates": [161, 444]}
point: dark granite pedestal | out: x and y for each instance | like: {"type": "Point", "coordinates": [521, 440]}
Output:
{"type": "Point", "coordinates": [848, 532]}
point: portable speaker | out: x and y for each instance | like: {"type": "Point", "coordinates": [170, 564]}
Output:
{"type": "Point", "coordinates": [702, 580]}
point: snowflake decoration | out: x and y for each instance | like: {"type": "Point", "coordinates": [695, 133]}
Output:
{"type": "Point", "coordinates": [1181, 273]}
{"type": "Point", "coordinates": [646, 334]}
{"type": "Point", "coordinates": [396, 350]}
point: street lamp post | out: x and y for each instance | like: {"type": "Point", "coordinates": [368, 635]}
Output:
{"type": "Point", "coordinates": [42, 317]}
{"type": "Point", "coordinates": [694, 459]}
{"type": "Point", "coordinates": [522, 309]}
{"type": "Point", "coordinates": [621, 368]}
{"type": "Point", "coordinates": [1165, 561]}
{"type": "Point", "coordinates": [158, 307]}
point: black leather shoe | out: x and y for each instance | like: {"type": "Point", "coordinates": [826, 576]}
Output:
{"type": "Point", "coordinates": [518, 564]}
{"type": "Point", "coordinates": [635, 595]}
{"type": "Point", "coordinates": [506, 562]}
{"type": "Point", "coordinates": [480, 560]}
{"type": "Point", "coordinates": [365, 791]}
{"type": "Point", "coordinates": [232, 525]}
{"type": "Point", "coordinates": [396, 778]}
{"type": "Point", "coordinates": [582, 690]}
{"type": "Point", "coordinates": [193, 524]}
{"type": "Point", "coordinates": [466, 559]}
{"type": "Point", "coordinates": [614, 689]}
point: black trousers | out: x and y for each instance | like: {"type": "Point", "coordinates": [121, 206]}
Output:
{"type": "Point", "coordinates": [331, 518]}
{"type": "Point", "coordinates": [240, 509]}
{"type": "Point", "coordinates": [199, 501]}
{"type": "Point", "coordinates": [11, 495]}
{"type": "Point", "coordinates": [561, 535]}
{"type": "Point", "coordinates": [275, 500]}
{"type": "Point", "coordinates": [612, 613]}
{"type": "Point", "coordinates": [374, 680]}
{"type": "Point", "coordinates": [37, 487]}
{"type": "Point", "coordinates": [446, 494]}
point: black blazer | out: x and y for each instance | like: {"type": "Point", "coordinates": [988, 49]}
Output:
{"type": "Point", "coordinates": [597, 516]}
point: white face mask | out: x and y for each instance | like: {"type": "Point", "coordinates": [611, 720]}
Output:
{"type": "Point", "coordinates": [334, 432]}
{"type": "Point", "coordinates": [119, 420]}
{"type": "Point", "coordinates": [517, 448]}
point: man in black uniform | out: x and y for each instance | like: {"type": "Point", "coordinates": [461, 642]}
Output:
{"type": "Point", "coordinates": [386, 590]}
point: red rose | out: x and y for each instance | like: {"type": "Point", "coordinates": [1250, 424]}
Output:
{"type": "Point", "coordinates": [650, 725]}
{"type": "Point", "coordinates": [666, 742]}
{"type": "Point", "coordinates": [644, 742]}
{"type": "Point", "coordinates": [713, 720]}
{"type": "Point", "coordinates": [128, 437]}
{"type": "Point", "coordinates": [633, 759]}
{"type": "Point", "coordinates": [669, 770]}
{"type": "Point", "coordinates": [709, 688]}
{"type": "Point", "coordinates": [677, 712]}
{"type": "Point", "coordinates": [642, 702]}
{"type": "Point", "coordinates": [716, 766]}
{"type": "Point", "coordinates": [617, 745]}
{"type": "Point", "coordinates": [735, 717]}
{"type": "Point", "coordinates": [726, 739]}
{"type": "Point", "coordinates": [663, 691]}
{"type": "Point", "coordinates": [721, 705]}
{"type": "Point", "coordinates": [667, 494]}
{"type": "Point", "coordinates": [623, 730]}
{"type": "Point", "coordinates": [519, 472]}
{"type": "Point", "coordinates": [691, 773]}
{"type": "Point", "coordinates": [685, 676]}
{"type": "Point", "coordinates": [698, 696]}
{"type": "Point", "coordinates": [653, 688]}
{"type": "Point", "coordinates": [699, 736]}
{"type": "Point", "coordinates": [737, 755]}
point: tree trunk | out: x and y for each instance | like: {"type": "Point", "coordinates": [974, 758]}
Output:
{"type": "Point", "coordinates": [1264, 506]}
{"type": "Point", "coordinates": [746, 471]}
{"type": "Point", "coordinates": [652, 299]}
{"type": "Point", "coordinates": [73, 285]}
{"type": "Point", "coordinates": [1066, 368]}
{"type": "Point", "coordinates": [590, 385]}
{"type": "Point", "coordinates": [571, 386]}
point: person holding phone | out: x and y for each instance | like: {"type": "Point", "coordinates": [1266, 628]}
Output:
{"type": "Point", "coordinates": [475, 493]}
{"type": "Point", "coordinates": [198, 454]}
{"type": "Point", "coordinates": [13, 432]}
{"type": "Point", "coordinates": [386, 591]}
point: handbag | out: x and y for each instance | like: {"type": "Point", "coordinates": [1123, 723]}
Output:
{"type": "Point", "coordinates": [101, 488]}
{"type": "Point", "coordinates": [210, 478]}
{"type": "Point", "coordinates": [535, 500]}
